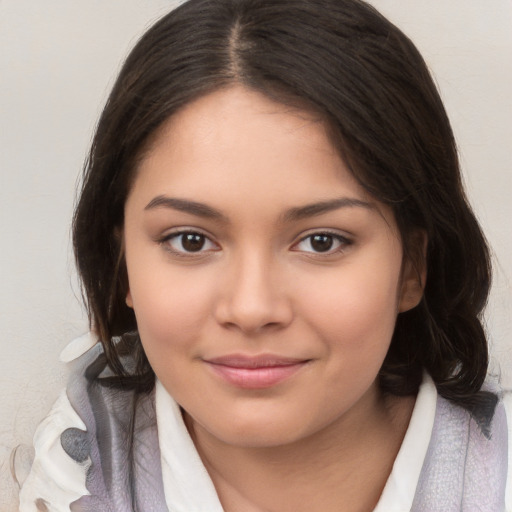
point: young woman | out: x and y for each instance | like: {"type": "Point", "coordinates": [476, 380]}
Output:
{"type": "Point", "coordinates": [284, 277]}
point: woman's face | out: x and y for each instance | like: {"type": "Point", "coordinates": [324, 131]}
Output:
{"type": "Point", "coordinates": [265, 281]}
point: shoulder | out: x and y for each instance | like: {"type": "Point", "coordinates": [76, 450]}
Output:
{"type": "Point", "coordinates": [59, 470]}
{"type": "Point", "coordinates": [98, 446]}
{"type": "Point", "coordinates": [63, 440]}
{"type": "Point", "coordinates": [55, 479]}
{"type": "Point", "coordinates": [466, 462]}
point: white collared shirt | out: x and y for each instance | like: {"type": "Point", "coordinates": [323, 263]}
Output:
{"type": "Point", "coordinates": [188, 487]}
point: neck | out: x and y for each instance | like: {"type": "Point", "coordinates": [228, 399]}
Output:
{"type": "Point", "coordinates": [344, 465]}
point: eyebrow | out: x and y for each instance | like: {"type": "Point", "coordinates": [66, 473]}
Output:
{"type": "Point", "coordinates": [293, 214]}
{"type": "Point", "coordinates": [186, 206]}
{"type": "Point", "coordinates": [321, 207]}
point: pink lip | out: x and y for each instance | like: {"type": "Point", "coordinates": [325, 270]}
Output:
{"type": "Point", "coordinates": [256, 372]}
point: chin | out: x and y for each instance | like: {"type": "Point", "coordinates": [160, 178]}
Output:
{"type": "Point", "coordinates": [260, 431]}
{"type": "Point", "coordinates": [260, 438]}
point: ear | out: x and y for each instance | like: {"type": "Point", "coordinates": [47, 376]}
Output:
{"type": "Point", "coordinates": [119, 237]}
{"type": "Point", "coordinates": [128, 300]}
{"type": "Point", "coordinates": [414, 272]}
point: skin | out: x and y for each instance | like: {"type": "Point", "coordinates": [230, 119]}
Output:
{"type": "Point", "coordinates": [324, 437]}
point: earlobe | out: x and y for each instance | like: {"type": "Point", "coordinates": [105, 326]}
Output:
{"type": "Point", "coordinates": [411, 294]}
{"type": "Point", "coordinates": [128, 299]}
{"type": "Point", "coordinates": [414, 273]}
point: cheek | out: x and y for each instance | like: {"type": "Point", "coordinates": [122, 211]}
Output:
{"type": "Point", "coordinates": [355, 320]}
{"type": "Point", "coordinates": [171, 306]}
{"type": "Point", "coordinates": [356, 308]}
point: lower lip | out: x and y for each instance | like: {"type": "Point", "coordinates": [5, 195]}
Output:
{"type": "Point", "coordinates": [256, 378]}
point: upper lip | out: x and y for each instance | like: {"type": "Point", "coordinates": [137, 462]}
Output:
{"type": "Point", "coordinates": [258, 361]}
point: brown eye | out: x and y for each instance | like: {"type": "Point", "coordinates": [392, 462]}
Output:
{"type": "Point", "coordinates": [192, 242]}
{"type": "Point", "coordinates": [188, 242]}
{"type": "Point", "coordinates": [322, 243]}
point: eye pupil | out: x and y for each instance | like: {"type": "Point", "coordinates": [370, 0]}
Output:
{"type": "Point", "coordinates": [321, 243]}
{"type": "Point", "coordinates": [192, 242]}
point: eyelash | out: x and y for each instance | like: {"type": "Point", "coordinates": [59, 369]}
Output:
{"type": "Point", "coordinates": [343, 243]}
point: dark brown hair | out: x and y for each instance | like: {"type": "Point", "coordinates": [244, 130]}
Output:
{"type": "Point", "coordinates": [366, 79]}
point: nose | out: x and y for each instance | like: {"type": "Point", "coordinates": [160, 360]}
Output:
{"type": "Point", "coordinates": [253, 297]}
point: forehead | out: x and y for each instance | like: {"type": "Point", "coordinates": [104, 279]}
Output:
{"type": "Point", "coordinates": [240, 140]}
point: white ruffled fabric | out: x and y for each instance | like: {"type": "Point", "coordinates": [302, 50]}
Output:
{"type": "Point", "coordinates": [55, 479]}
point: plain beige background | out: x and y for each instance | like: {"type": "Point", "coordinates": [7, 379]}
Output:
{"type": "Point", "coordinates": [58, 59]}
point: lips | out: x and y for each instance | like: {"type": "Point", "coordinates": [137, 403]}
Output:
{"type": "Point", "coordinates": [255, 372]}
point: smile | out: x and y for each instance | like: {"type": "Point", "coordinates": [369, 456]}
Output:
{"type": "Point", "coordinates": [255, 372]}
